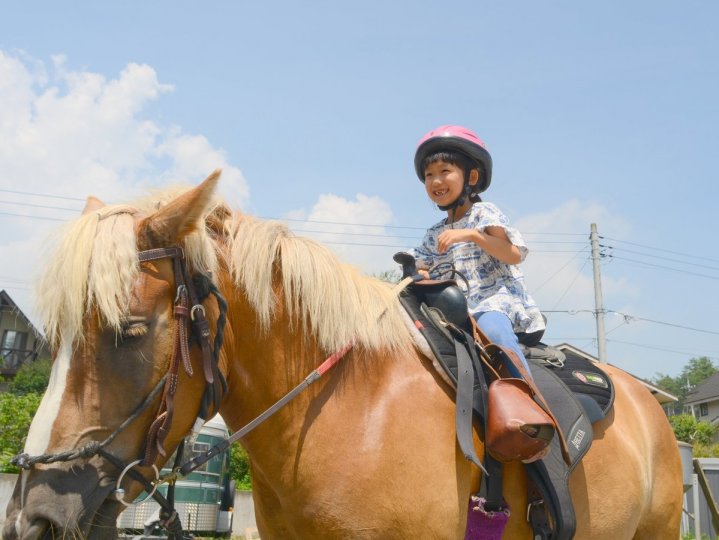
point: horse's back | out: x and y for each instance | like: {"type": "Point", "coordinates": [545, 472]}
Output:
{"type": "Point", "coordinates": [630, 483]}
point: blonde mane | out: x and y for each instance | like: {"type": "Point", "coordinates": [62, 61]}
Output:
{"type": "Point", "coordinates": [332, 299]}
{"type": "Point", "coordinates": [95, 265]}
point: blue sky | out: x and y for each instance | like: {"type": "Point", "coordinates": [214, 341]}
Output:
{"type": "Point", "coordinates": [593, 112]}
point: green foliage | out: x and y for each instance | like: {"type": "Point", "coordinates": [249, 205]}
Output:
{"type": "Point", "coordinates": [689, 429]}
{"type": "Point", "coordinates": [31, 378]}
{"type": "Point", "coordinates": [16, 412]}
{"type": "Point", "coordinates": [690, 536]}
{"type": "Point", "coordinates": [696, 371]}
{"type": "Point", "coordinates": [390, 276]}
{"type": "Point", "coordinates": [240, 467]}
{"type": "Point", "coordinates": [700, 450]}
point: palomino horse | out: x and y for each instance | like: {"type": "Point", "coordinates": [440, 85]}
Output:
{"type": "Point", "coordinates": [367, 452]}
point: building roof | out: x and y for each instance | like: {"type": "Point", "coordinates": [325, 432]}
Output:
{"type": "Point", "coordinates": [707, 390]}
{"type": "Point", "coordinates": [7, 304]}
{"type": "Point", "coordinates": [662, 396]}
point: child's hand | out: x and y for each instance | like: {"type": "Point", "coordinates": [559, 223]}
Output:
{"type": "Point", "coordinates": [424, 273]}
{"type": "Point", "coordinates": [454, 236]}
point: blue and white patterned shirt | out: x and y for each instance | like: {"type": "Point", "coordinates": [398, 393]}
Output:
{"type": "Point", "coordinates": [493, 285]}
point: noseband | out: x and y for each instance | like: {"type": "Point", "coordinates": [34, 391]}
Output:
{"type": "Point", "coordinates": [190, 322]}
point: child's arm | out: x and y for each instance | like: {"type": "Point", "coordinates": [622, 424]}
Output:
{"type": "Point", "coordinates": [493, 240]}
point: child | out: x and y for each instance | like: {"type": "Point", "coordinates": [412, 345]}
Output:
{"type": "Point", "coordinates": [475, 238]}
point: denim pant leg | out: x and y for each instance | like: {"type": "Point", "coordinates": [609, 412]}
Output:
{"type": "Point", "coordinates": [498, 328]}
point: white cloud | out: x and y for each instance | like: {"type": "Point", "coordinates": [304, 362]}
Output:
{"type": "Point", "coordinates": [354, 229]}
{"type": "Point", "coordinates": [559, 271]}
{"type": "Point", "coordinates": [72, 133]}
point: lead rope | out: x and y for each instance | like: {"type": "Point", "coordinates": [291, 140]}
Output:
{"type": "Point", "coordinates": [314, 376]}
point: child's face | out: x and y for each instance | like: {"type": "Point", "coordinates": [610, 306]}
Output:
{"type": "Point", "coordinates": [444, 182]}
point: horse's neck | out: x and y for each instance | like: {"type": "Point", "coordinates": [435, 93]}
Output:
{"type": "Point", "coordinates": [263, 364]}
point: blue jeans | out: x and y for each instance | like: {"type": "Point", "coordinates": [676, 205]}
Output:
{"type": "Point", "coordinates": [498, 328]}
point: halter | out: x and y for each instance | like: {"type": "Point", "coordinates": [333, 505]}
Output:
{"type": "Point", "coordinates": [215, 386]}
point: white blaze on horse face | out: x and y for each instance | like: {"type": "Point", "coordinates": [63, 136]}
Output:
{"type": "Point", "coordinates": [38, 437]}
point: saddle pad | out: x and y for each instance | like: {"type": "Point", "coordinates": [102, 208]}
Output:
{"type": "Point", "coordinates": [584, 378]}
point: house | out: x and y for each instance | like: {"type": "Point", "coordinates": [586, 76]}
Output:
{"type": "Point", "coordinates": [662, 396]}
{"type": "Point", "coordinates": [703, 401]}
{"type": "Point", "coordinates": [20, 342]}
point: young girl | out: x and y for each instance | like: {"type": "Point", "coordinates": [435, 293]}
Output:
{"type": "Point", "coordinates": [475, 238]}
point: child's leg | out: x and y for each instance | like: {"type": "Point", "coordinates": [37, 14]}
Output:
{"type": "Point", "coordinates": [498, 328]}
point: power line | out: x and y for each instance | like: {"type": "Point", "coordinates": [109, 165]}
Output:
{"type": "Point", "coordinates": [632, 317]}
{"type": "Point", "coordinates": [558, 271]}
{"type": "Point", "coordinates": [35, 194]}
{"type": "Point", "coordinates": [693, 263]}
{"type": "Point", "coordinates": [693, 255]}
{"type": "Point", "coordinates": [572, 283]}
{"type": "Point", "coordinates": [42, 195]}
{"type": "Point", "coordinates": [629, 318]}
{"type": "Point", "coordinates": [643, 346]}
{"type": "Point", "coordinates": [31, 217]}
{"type": "Point", "coordinates": [41, 206]}
{"type": "Point", "coordinates": [680, 270]}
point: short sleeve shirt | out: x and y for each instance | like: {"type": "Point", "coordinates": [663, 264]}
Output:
{"type": "Point", "coordinates": [493, 285]}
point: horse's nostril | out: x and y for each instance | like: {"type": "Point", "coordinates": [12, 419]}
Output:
{"type": "Point", "coordinates": [39, 529]}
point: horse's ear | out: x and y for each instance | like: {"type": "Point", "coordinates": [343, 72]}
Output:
{"type": "Point", "coordinates": [92, 204]}
{"type": "Point", "coordinates": [170, 224]}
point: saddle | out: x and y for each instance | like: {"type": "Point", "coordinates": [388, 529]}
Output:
{"type": "Point", "coordinates": [576, 393]}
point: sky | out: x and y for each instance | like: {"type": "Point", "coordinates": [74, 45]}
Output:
{"type": "Point", "coordinates": [602, 113]}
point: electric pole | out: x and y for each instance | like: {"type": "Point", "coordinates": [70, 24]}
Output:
{"type": "Point", "coordinates": [598, 304]}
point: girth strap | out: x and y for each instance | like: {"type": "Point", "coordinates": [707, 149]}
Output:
{"type": "Point", "coordinates": [465, 396]}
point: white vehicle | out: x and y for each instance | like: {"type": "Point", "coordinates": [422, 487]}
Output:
{"type": "Point", "coordinates": [203, 500]}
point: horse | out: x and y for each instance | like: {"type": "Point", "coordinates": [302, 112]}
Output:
{"type": "Point", "coordinates": [367, 452]}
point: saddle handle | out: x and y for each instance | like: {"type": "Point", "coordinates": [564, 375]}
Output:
{"type": "Point", "coordinates": [407, 262]}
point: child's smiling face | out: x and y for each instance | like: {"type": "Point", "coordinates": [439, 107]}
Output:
{"type": "Point", "coordinates": [443, 182]}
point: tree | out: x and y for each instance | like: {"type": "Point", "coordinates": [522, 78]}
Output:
{"type": "Point", "coordinates": [698, 370]}
{"type": "Point", "coordinates": [694, 372]}
{"type": "Point", "coordinates": [240, 467]}
{"type": "Point", "coordinates": [31, 378]}
{"type": "Point", "coordinates": [16, 412]}
{"type": "Point", "coordinates": [390, 276]}
{"type": "Point", "coordinates": [689, 429]}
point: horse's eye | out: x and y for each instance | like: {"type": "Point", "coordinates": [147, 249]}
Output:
{"type": "Point", "coordinates": [134, 327]}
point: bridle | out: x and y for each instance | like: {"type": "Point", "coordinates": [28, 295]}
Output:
{"type": "Point", "coordinates": [190, 322]}
{"type": "Point", "coordinates": [215, 388]}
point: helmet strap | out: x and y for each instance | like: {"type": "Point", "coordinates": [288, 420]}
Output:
{"type": "Point", "coordinates": [459, 201]}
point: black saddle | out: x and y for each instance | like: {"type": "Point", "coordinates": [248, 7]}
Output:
{"type": "Point", "coordinates": [577, 391]}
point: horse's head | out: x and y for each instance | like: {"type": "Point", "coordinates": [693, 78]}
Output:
{"type": "Point", "coordinates": [117, 313]}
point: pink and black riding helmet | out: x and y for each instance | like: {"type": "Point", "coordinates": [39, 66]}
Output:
{"type": "Point", "coordinates": [457, 139]}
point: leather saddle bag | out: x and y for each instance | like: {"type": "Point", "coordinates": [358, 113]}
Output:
{"type": "Point", "coordinates": [518, 429]}
{"type": "Point", "coordinates": [520, 425]}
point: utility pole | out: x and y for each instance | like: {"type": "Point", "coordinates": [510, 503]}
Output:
{"type": "Point", "coordinates": [598, 304]}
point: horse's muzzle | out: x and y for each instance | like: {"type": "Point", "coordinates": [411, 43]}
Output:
{"type": "Point", "coordinates": [62, 504]}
